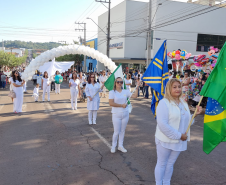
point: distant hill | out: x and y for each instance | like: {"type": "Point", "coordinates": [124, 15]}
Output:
{"type": "Point", "coordinates": [30, 45]}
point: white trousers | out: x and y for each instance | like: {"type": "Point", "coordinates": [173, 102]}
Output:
{"type": "Point", "coordinates": [92, 115]}
{"type": "Point", "coordinates": [57, 88]}
{"type": "Point", "coordinates": [164, 167]}
{"type": "Point", "coordinates": [120, 121]}
{"type": "Point", "coordinates": [46, 88]}
{"type": "Point", "coordinates": [74, 93]}
{"type": "Point", "coordinates": [36, 97]}
{"type": "Point", "coordinates": [104, 90]}
{"type": "Point", "coordinates": [25, 87]}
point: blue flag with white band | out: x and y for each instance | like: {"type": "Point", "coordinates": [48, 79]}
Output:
{"type": "Point", "coordinates": [157, 76]}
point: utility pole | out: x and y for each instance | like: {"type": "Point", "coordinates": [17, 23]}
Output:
{"type": "Point", "coordinates": [149, 34]}
{"type": "Point", "coordinates": [109, 22]}
{"type": "Point", "coordinates": [84, 41]}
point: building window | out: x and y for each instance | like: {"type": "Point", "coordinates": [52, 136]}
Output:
{"type": "Point", "coordinates": [204, 41]}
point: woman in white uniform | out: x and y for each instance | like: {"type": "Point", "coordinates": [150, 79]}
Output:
{"type": "Point", "coordinates": [120, 113]}
{"type": "Point", "coordinates": [46, 86]}
{"type": "Point", "coordinates": [128, 82]}
{"type": "Point", "coordinates": [18, 89]}
{"type": "Point", "coordinates": [74, 89]}
{"type": "Point", "coordinates": [93, 102]}
{"type": "Point", "coordinates": [173, 118]}
{"type": "Point", "coordinates": [103, 78]}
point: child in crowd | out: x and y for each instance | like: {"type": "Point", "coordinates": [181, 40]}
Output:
{"type": "Point", "coordinates": [36, 92]}
{"type": "Point", "coordinates": [84, 92]}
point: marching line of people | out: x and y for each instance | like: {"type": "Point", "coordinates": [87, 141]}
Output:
{"type": "Point", "coordinates": [173, 114]}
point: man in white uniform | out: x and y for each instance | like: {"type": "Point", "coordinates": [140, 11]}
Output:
{"type": "Point", "coordinates": [102, 80]}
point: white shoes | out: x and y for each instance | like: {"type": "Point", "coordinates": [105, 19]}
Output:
{"type": "Point", "coordinates": [72, 108]}
{"type": "Point", "coordinates": [112, 149]}
{"type": "Point", "coordinates": [122, 149]}
{"type": "Point", "coordinates": [94, 123]}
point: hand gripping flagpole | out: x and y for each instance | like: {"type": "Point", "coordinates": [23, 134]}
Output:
{"type": "Point", "coordinates": [96, 93]}
{"type": "Point", "coordinates": [194, 115]}
{"type": "Point", "coordinates": [131, 95]}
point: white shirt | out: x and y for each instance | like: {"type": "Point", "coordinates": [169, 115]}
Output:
{"type": "Point", "coordinates": [119, 98]}
{"type": "Point", "coordinates": [128, 82]}
{"type": "Point", "coordinates": [140, 75]}
{"type": "Point", "coordinates": [102, 79]}
{"type": "Point", "coordinates": [46, 81]}
{"type": "Point", "coordinates": [36, 91]}
{"type": "Point", "coordinates": [163, 118]}
{"type": "Point", "coordinates": [82, 80]}
{"type": "Point", "coordinates": [74, 84]}
{"type": "Point", "coordinates": [34, 77]}
{"type": "Point", "coordinates": [11, 85]}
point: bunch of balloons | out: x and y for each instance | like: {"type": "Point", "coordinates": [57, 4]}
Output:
{"type": "Point", "coordinates": [179, 55]}
{"type": "Point", "coordinates": [65, 50]}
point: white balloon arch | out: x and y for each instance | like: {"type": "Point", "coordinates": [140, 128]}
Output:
{"type": "Point", "coordinates": [64, 50]}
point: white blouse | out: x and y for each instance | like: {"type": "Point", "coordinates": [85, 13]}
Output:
{"type": "Point", "coordinates": [162, 113]}
{"type": "Point", "coordinates": [74, 84]}
{"type": "Point", "coordinates": [46, 81]}
{"type": "Point", "coordinates": [128, 82]}
{"type": "Point", "coordinates": [119, 98]}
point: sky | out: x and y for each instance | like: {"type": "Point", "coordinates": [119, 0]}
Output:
{"type": "Point", "coordinates": [49, 20]}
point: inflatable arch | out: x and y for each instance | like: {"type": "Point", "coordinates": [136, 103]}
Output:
{"type": "Point", "coordinates": [63, 50]}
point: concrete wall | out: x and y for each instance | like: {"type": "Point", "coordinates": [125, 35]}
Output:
{"type": "Point", "coordinates": [136, 12]}
{"type": "Point", "coordinates": [118, 14]}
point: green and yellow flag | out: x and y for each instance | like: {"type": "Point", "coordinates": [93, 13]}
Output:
{"type": "Point", "coordinates": [215, 116]}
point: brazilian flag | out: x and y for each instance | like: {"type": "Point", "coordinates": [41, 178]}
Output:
{"type": "Point", "coordinates": [215, 116]}
{"type": "Point", "coordinates": [214, 125]}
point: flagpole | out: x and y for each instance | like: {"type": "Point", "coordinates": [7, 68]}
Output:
{"type": "Point", "coordinates": [96, 93]}
{"type": "Point", "coordinates": [131, 95]}
{"type": "Point", "coordinates": [194, 115]}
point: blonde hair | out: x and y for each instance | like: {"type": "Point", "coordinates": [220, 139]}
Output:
{"type": "Point", "coordinates": [115, 83]}
{"type": "Point", "coordinates": [169, 85]}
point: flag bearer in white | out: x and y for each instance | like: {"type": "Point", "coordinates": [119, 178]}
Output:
{"type": "Point", "coordinates": [74, 89]}
{"type": "Point", "coordinates": [93, 100]}
{"type": "Point", "coordinates": [103, 79]}
{"type": "Point", "coordinates": [46, 86]}
{"type": "Point", "coordinates": [173, 117]}
{"type": "Point", "coordinates": [120, 113]}
{"type": "Point", "coordinates": [36, 92]}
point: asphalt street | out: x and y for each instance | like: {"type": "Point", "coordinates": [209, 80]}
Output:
{"type": "Point", "coordinates": [50, 144]}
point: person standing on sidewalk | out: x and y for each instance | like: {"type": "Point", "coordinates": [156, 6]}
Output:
{"type": "Point", "coordinates": [103, 79]}
{"type": "Point", "coordinates": [57, 84]}
{"type": "Point", "coordinates": [173, 118]}
{"type": "Point", "coordinates": [3, 80]}
{"type": "Point", "coordinates": [93, 102]}
{"type": "Point", "coordinates": [74, 89]}
{"type": "Point", "coordinates": [18, 90]}
{"type": "Point", "coordinates": [120, 112]}
{"type": "Point", "coordinates": [46, 86]}
{"type": "Point", "coordinates": [146, 86]}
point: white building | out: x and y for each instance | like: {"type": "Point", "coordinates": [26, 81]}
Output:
{"type": "Point", "coordinates": [18, 52]}
{"type": "Point", "coordinates": [185, 26]}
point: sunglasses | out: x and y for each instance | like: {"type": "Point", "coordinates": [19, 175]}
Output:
{"type": "Point", "coordinates": [119, 82]}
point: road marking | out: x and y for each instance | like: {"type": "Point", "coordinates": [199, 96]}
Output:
{"type": "Point", "coordinates": [101, 138]}
{"type": "Point", "coordinates": [24, 106]}
{"type": "Point", "coordinates": [1, 107]}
